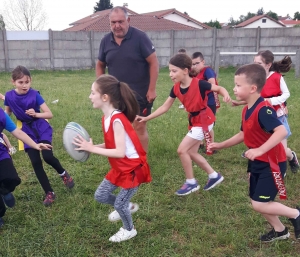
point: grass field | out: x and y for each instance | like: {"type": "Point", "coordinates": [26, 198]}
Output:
{"type": "Point", "coordinates": [216, 223]}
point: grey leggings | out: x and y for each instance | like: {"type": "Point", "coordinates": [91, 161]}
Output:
{"type": "Point", "coordinates": [120, 202]}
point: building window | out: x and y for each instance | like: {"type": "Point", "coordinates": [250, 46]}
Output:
{"type": "Point", "coordinates": [264, 20]}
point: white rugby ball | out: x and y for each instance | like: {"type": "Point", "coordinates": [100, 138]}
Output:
{"type": "Point", "coordinates": [72, 130]}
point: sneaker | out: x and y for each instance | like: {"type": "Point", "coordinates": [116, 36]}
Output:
{"type": "Point", "coordinates": [1, 222]}
{"type": "Point", "coordinates": [294, 164]}
{"type": "Point", "coordinates": [114, 216]}
{"type": "Point", "coordinates": [68, 181]}
{"type": "Point", "coordinates": [296, 224]}
{"type": "Point", "coordinates": [212, 182]}
{"type": "Point", "coordinates": [9, 200]}
{"type": "Point", "coordinates": [181, 106]}
{"type": "Point", "coordinates": [49, 199]}
{"type": "Point", "coordinates": [273, 235]}
{"type": "Point", "coordinates": [123, 235]}
{"type": "Point", "coordinates": [187, 189]}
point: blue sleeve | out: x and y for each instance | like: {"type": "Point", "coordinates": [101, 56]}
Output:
{"type": "Point", "coordinates": [146, 46]}
{"type": "Point", "coordinates": [39, 100]}
{"type": "Point", "coordinates": [204, 86]}
{"type": "Point", "coordinates": [209, 73]}
{"type": "Point", "coordinates": [10, 125]}
{"type": "Point", "coordinates": [268, 119]}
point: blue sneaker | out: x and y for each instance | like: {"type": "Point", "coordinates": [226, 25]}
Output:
{"type": "Point", "coordinates": [1, 222]}
{"type": "Point", "coordinates": [9, 200]}
{"type": "Point", "coordinates": [211, 183]}
{"type": "Point", "coordinates": [187, 189]}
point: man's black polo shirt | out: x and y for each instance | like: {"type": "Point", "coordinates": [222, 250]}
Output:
{"type": "Point", "coordinates": [127, 62]}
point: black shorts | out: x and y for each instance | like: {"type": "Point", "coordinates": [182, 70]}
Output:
{"type": "Point", "coordinates": [145, 107]}
{"type": "Point", "coordinates": [213, 107]}
{"type": "Point", "coordinates": [262, 187]}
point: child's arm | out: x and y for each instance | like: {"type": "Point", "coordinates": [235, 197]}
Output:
{"type": "Point", "coordinates": [8, 110]}
{"type": "Point", "coordinates": [19, 134]}
{"type": "Point", "coordinates": [118, 152]}
{"type": "Point", "coordinates": [159, 111]}
{"type": "Point", "coordinates": [46, 114]}
{"type": "Point", "coordinates": [222, 91]}
{"type": "Point", "coordinates": [237, 103]}
{"type": "Point", "coordinates": [236, 139]}
{"type": "Point", "coordinates": [278, 135]}
{"type": "Point", "coordinates": [2, 97]}
{"type": "Point", "coordinates": [285, 94]}
{"type": "Point", "coordinates": [6, 140]}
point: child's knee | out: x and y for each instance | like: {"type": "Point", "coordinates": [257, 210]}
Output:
{"type": "Point", "coordinates": [258, 206]}
{"type": "Point", "coordinates": [101, 197]}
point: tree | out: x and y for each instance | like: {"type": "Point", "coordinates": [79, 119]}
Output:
{"type": "Point", "coordinates": [214, 24]}
{"type": "Point", "coordinates": [2, 24]}
{"type": "Point", "coordinates": [103, 5]}
{"type": "Point", "coordinates": [297, 16]}
{"type": "Point", "coordinates": [273, 15]}
{"type": "Point", "coordinates": [260, 11]}
{"type": "Point", "coordinates": [24, 15]}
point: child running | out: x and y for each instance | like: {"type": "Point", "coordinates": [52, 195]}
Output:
{"type": "Point", "coordinates": [9, 178]}
{"type": "Point", "coordinates": [129, 167]}
{"type": "Point", "coordinates": [262, 133]}
{"type": "Point", "coordinates": [25, 103]}
{"type": "Point", "coordinates": [276, 92]}
{"type": "Point", "coordinates": [192, 94]}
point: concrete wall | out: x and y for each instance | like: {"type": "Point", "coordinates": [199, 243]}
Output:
{"type": "Point", "coordinates": [79, 50]}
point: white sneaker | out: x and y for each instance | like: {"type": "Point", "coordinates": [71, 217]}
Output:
{"type": "Point", "coordinates": [123, 235]}
{"type": "Point", "coordinates": [181, 106]}
{"type": "Point", "coordinates": [114, 216]}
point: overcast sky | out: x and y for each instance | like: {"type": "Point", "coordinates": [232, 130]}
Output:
{"type": "Point", "coordinates": [63, 12]}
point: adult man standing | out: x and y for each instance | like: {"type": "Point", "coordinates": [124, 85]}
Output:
{"type": "Point", "coordinates": [130, 57]}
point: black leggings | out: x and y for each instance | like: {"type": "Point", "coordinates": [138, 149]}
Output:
{"type": "Point", "coordinates": [37, 164]}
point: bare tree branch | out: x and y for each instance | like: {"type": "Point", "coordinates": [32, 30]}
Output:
{"type": "Point", "coordinates": [24, 15]}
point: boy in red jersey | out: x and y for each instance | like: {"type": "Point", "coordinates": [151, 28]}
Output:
{"type": "Point", "coordinates": [206, 73]}
{"type": "Point", "coordinates": [262, 133]}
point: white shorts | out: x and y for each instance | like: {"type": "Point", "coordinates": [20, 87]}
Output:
{"type": "Point", "coordinates": [197, 132]}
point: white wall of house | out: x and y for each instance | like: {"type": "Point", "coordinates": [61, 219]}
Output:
{"type": "Point", "coordinates": [179, 19]}
{"type": "Point", "coordinates": [268, 24]}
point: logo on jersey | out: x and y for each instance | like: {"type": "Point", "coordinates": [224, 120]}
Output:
{"type": "Point", "coordinates": [152, 47]}
{"type": "Point", "coordinates": [264, 197]}
{"type": "Point", "coordinates": [269, 111]}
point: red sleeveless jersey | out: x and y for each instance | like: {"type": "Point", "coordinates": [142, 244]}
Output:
{"type": "Point", "coordinates": [200, 76]}
{"type": "Point", "coordinates": [272, 88]}
{"type": "Point", "coordinates": [194, 104]}
{"type": "Point", "coordinates": [255, 136]}
{"type": "Point", "coordinates": [125, 172]}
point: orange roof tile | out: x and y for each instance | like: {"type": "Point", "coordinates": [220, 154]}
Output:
{"type": "Point", "coordinates": [255, 18]}
{"type": "Point", "coordinates": [162, 13]}
{"type": "Point", "coordinates": [142, 22]}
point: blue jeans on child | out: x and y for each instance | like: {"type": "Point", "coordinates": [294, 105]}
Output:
{"type": "Point", "coordinates": [285, 123]}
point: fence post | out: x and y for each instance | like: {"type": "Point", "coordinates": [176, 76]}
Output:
{"type": "Point", "coordinates": [51, 51]}
{"type": "Point", "coordinates": [217, 63]}
{"type": "Point", "coordinates": [172, 43]}
{"type": "Point", "coordinates": [5, 50]}
{"type": "Point", "coordinates": [92, 48]}
{"type": "Point", "coordinates": [297, 64]}
{"type": "Point", "coordinates": [214, 43]}
{"type": "Point", "coordinates": [258, 36]}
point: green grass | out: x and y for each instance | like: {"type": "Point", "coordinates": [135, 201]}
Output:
{"type": "Point", "coordinates": [217, 223]}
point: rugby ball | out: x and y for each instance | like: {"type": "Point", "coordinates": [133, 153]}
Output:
{"type": "Point", "coordinates": [71, 131]}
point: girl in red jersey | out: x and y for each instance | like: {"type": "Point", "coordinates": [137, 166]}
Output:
{"type": "Point", "coordinates": [192, 94]}
{"type": "Point", "coordinates": [129, 167]}
{"type": "Point", "coordinates": [276, 92]}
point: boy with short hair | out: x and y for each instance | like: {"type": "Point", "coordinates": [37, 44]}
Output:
{"type": "Point", "coordinates": [203, 72]}
{"type": "Point", "coordinates": [262, 133]}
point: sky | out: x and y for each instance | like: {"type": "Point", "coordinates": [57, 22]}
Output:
{"type": "Point", "coordinates": [63, 12]}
